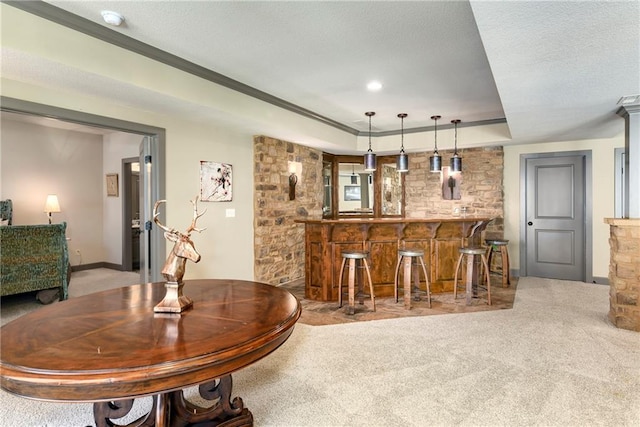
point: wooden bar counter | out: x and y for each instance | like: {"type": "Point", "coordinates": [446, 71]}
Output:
{"type": "Point", "coordinates": [440, 239]}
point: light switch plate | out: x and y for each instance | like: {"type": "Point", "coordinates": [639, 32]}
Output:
{"type": "Point", "coordinates": [230, 213]}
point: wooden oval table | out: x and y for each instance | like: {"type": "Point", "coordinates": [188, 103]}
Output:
{"type": "Point", "coordinates": [110, 348]}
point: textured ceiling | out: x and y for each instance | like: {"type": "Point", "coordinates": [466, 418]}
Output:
{"type": "Point", "coordinates": [553, 70]}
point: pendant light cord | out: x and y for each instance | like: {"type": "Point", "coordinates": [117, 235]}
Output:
{"type": "Point", "coordinates": [455, 139]}
{"type": "Point", "coordinates": [402, 133]}
{"type": "Point", "coordinates": [370, 132]}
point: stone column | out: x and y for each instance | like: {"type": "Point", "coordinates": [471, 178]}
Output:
{"type": "Point", "coordinates": [624, 273]}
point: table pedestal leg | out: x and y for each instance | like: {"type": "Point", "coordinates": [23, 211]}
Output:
{"type": "Point", "coordinates": [172, 409]}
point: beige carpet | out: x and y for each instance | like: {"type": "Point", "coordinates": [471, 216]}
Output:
{"type": "Point", "coordinates": [552, 360]}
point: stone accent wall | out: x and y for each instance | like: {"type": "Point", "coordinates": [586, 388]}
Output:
{"type": "Point", "coordinates": [278, 240]}
{"type": "Point", "coordinates": [624, 273]}
{"type": "Point", "coordinates": [481, 189]}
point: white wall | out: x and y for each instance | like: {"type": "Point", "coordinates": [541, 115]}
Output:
{"type": "Point", "coordinates": [116, 146]}
{"type": "Point", "coordinates": [602, 154]}
{"type": "Point", "coordinates": [37, 161]}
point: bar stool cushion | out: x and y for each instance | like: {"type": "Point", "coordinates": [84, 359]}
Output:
{"type": "Point", "coordinates": [411, 252]}
{"type": "Point", "coordinates": [472, 251]}
{"type": "Point", "coordinates": [497, 242]}
{"type": "Point", "coordinates": [354, 254]}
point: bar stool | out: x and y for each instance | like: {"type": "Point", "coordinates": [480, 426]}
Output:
{"type": "Point", "coordinates": [357, 260]}
{"type": "Point", "coordinates": [471, 290]}
{"type": "Point", "coordinates": [407, 258]}
{"type": "Point", "coordinates": [495, 245]}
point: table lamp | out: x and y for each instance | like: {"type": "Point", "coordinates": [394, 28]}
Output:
{"type": "Point", "coordinates": [51, 205]}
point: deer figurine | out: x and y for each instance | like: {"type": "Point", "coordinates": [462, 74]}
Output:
{"type": "Point", "coordinates": [174, 267]}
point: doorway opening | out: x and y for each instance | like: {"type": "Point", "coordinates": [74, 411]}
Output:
{"type": "Point", "coordinates": [153, 148]}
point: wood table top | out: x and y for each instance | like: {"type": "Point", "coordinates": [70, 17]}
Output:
{"type": "Point", "coordinates": [111, 345]}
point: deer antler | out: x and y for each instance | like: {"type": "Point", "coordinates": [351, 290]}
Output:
{"type": "Point", "coordinates": [196, 215]}
{"type": "Point", "coordinates": [157, 221]}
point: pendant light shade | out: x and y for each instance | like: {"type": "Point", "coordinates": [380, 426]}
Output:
{"type": "Point", "coordinates": [369, 157]}
{"type": "Point", "coordinates": [354, 177]}
{"type": "Point", "coordinates": [456, 160]}
{"type": "Point", "coordinates": [402, 163]}
{"type": "Point", "coordinates": [435, 161]}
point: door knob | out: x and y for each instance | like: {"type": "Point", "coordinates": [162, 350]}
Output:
{"type": "Point", "coordinates": [529, 223]}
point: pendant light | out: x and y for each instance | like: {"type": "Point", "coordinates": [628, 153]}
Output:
{"type": "Point", "coordinates": [354, 177]}
{"type": "Point", "coordinates": [456, 161]}
{"type": "Point", "coordinates": [435, 161]}
{"type": "Point", "coordinates": [369, 157]}
{"type": "Point", "coordinates": [403, 160]}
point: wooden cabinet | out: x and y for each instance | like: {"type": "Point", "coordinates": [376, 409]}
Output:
{"type": "Point", "coordinates": [440, 239]}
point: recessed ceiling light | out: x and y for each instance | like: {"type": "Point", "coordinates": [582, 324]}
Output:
{"type": "Point", "coordinates": [374, 86]}
{"type": "Point", "coordinates": [112, 18]}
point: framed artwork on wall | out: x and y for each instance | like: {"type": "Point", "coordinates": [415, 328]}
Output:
{"type": "Point", "coordinates": [112, 185]}
{"type": "Point", "coordinates": [216, 182]}
{"type": "Point", "coordinates": [351, 192]}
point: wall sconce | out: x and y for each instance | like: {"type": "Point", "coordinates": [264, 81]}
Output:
{"type": "Point", "coordinates": [51, 205]}
{"type": "Point", "coordinates": [294, 168]}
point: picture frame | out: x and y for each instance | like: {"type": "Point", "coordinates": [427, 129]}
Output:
{"type": "Point", "coordinates": [216, 182]}
{"type": "Point", "coordinates": [352, 193]}
{"type": "Point", "coordinates": [112, 185]}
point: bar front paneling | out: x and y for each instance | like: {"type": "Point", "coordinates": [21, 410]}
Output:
{"type": "Point", "coordinates": [440, 239]}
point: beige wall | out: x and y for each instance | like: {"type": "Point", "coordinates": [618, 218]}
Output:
{"type": "Point", "coordinates": [116, 146]}
{"type": "Point", "coordinates": [37, 161]}
{"type": "Point", "coordinates": [602, 154]}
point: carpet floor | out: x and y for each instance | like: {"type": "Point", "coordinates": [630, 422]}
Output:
{"type": "Point", "coordinates": [551, 360]}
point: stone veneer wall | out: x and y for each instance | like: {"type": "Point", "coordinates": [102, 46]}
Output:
{"type": "Point", "coordinates": [624, 273]}
{"type": "Point", "coordinates": [278, 240]}
{"type": "Point", "coordinates": [481, 189]}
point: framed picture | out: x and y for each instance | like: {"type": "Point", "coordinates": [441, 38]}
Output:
{"type": "Point", "coordinates": [351, 192]}
{"type": "Point", "coordinates": [216, 182]}
{"type": "Point", "coordinates": [112, 185]}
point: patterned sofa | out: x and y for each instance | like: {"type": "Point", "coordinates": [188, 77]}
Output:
{"type": "Point", "coordinates": [33, 258]}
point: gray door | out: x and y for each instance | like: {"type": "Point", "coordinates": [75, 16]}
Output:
{"type": "Point", "coordinates": [555, 215]}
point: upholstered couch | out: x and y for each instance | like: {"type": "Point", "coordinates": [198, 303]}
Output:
{"type": "Point", "coordinates": [33, 258]}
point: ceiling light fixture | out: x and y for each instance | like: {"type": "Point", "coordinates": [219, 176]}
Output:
{"type": "Point", "coordinates": [374, 86]}
{"type": "Point", "coordinates": [112, 18]}
{"type": "Point", "coordinates": [435, 161]}
{"type": "Point", "coordinates": [403, 161]}
{"type": "Point", "coordinates": [456, 161]}
{"type": "Point", "coordinates": [369, 157]}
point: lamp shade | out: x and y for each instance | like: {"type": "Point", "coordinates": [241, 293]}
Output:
{"type": "Point", "coordinates": [369, 161]}
{"type": "Point", "coordinates": [369, 156]}
{"type": "Point", "coordinates": [435, 163]}
{"type": "Point", "coordinates": [456, 163]}
{"type": "Point", "coordinates": [52, 205]}
{"type": "Point", "coordinates": [402, 163]}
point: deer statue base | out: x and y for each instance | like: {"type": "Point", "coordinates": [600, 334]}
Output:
{"type": "Point", "coordinates": [173, 301]}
